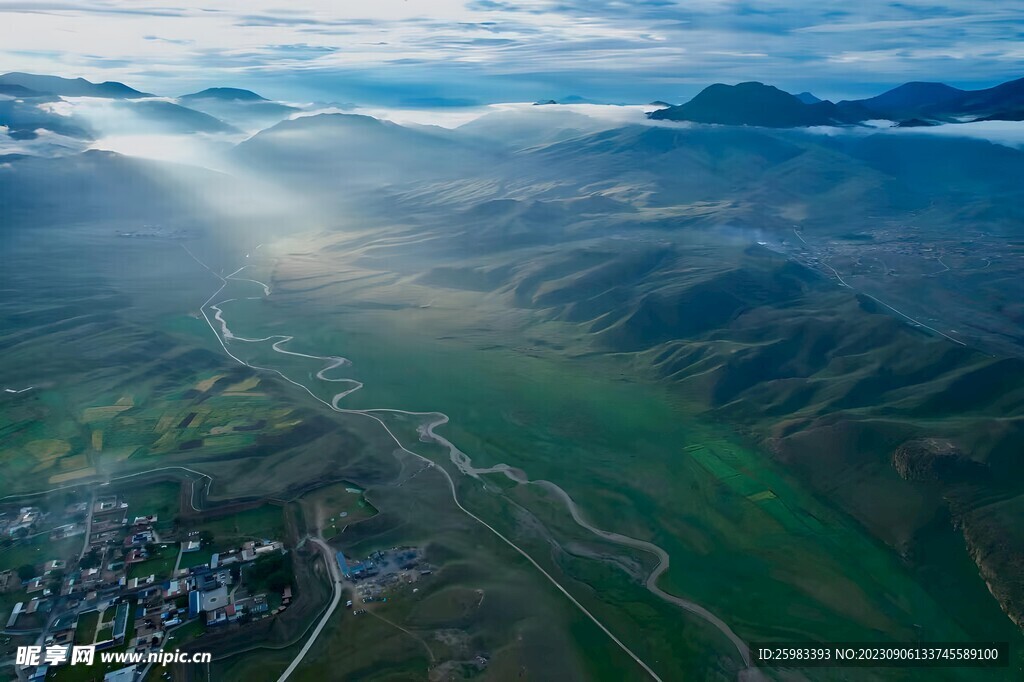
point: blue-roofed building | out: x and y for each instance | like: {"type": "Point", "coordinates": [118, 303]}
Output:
{"type": "Point", "coordinates": [343, 564]}
{"type": "Point", "coordinates": [195, 604]}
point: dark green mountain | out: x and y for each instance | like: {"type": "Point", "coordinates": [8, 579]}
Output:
{"type": "Point", "coordinates": [754, 104]}
{"type": "Point", "coordinates": [1007, 97]}
{"type": "Point", "coordinates": [940, 102]}
{"type": "Point", "coordinates": [910, 100]}
{"type": "Point", "coordinates": [757, 104]}
{"type": "Point", "coordinates": [915, 123]}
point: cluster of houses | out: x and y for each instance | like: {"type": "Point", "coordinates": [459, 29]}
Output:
{"type": "Point", "coordinates": [137, 612]}
{"type": "Point", "coordinates": [210, 592]}
{"type": "Point", "coordinates": [20, 524]}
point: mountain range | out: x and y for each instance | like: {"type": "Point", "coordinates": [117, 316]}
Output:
{"type": "Point", "coordinates": [742, 267]}
{"type": "Point", "coordinates": [70, 87]}
{"type": "Point", "coordinates": [757, 104]}
{"type": "Point", "coordinates": [23, 98]}
{"type": "Point", "coordinates": [115, 108]}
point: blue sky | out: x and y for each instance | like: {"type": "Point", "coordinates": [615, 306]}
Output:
{"type": "Point", "coordinates": [424, 52]}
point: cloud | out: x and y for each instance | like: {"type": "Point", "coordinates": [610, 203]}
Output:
{"type": "Point", "coordinates": [44, 143]}
{"type": "Point", "coordinates": [490, 50]}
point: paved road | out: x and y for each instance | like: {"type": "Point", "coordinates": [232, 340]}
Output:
{"type": "Point", "coordinates": [88, 526]}
{"type": "Point", "coordinates": [335, 572]}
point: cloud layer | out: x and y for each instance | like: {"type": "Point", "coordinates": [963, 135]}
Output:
{"type": "Point", "coordinates": [430, 52]}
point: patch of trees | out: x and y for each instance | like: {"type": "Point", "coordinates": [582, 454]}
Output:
{"type": "Point", "coordinates": [272, 573]}
{"type": "Point", "coordinates": [91, 559]}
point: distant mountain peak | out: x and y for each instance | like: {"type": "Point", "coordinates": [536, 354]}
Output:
{"type": "Point", "coordinates": [576, 99]}
{"type": "Point", "coordinates": [71, 87]}
{"type": "Point", "coordinates": [334, 120]}
{"type": "Point", "coordinates": [910, 99]}
{"type": "Point", "coordinates": [915, 123]}
{"type": "Point", "coordinates": [808, 98]}
{"type": "Point", "coordinates": [922, 88]}
{"type": "Point", "coordinates": [230, 94]}
{"type": "Point", "coordinates": [751, 103]}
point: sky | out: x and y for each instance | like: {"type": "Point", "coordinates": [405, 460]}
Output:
{"type": "Point", "coordinates": [462, 52]}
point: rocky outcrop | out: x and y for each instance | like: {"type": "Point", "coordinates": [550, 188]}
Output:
{"type": "Point", "coordinates": [933, 459]}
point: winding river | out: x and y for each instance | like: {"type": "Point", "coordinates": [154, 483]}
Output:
{"type": "Point", "coordinates": [464, 463]}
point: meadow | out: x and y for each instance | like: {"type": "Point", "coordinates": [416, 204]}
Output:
{"type": "Point", "coordinates": [745, 539]}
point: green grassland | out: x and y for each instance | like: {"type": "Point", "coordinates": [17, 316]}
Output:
{"type": "Point", "coordinates": [185, 633]}
{"type": "Point", "coordinates": [746, 540]}
{"type": "Point", "coordinates": [85, 630]}
{"type": "Point", "coordinates": [324, 508]}
{"type": "Point", "coordinates": [161, 499]}
{"type": "Point", "coordinates": [39, 549]}
{"type": "Point", "coordinates": [160, 564]}
{"type": "Point", "coordinates": [481, 598]}
{"type": "Point", "coordinates": [120, 387]}
{"type": "Point", "coordinates": [197, 558]}
{"type": "Point", "coordinates": [231, 530]}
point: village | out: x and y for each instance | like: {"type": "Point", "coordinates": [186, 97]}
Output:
{"type": "Point", "coordinates": [112, 573]}
{"type": "Point", "coordinates": [103, 600]}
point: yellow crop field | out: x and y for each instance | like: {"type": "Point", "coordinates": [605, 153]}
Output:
{"type": "Point", "coordinates": [103, 413]}
{"type": "Point", "coordinates": [72, 475]}
{"type": "Point", "coordinates": [164, 441]}
{"type": "Point", "coordinates": [165, 422]}
{"type": "Point", "coordinates": [244, 385]}
{"type": "Point", "coordinates": [48, 449]}
{"type": "Point", "coordinates": [74, 462]}
{"type": "Point", "coordinates": [97, 440]}
{"type": "Point", "coordinates": [764, 495]}
{"type": "Point", "coordinates": [206, 384]}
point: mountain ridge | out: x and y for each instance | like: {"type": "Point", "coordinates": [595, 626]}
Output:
{"type": "Point", "coordinates": [71, 87]}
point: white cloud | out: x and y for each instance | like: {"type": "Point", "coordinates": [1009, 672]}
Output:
{"type": "Point", "coordinates": [591, 47]}
{"type": "Point", "coordinates": [45, 143]}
